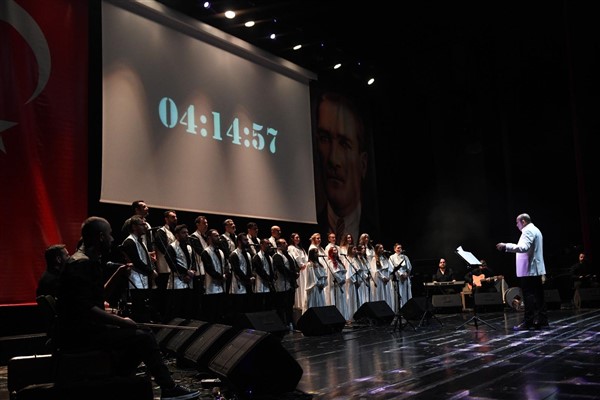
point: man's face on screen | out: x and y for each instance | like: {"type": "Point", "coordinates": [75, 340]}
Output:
{"type": "Point", "coordinates": [342, 160]}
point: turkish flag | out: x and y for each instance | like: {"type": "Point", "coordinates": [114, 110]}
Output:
{"type": "Point", "coordinates": [43, 136]}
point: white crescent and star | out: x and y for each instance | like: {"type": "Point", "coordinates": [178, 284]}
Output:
{"type": "Point", "coordinates": [25, 25]}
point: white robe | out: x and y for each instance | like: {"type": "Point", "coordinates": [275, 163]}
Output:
{"type": "Point", "coordinates": [316, 282]}
{"type": "Point", "coordinates": [301, 258]}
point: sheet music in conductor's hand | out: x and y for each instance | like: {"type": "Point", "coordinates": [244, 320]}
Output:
{"type": "Point", "coordinates": [467, 256]}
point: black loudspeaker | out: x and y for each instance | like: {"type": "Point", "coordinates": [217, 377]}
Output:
{"type": "Point", "coordinates": [164, 335]}
{"type": "Point", "coordinates": [183, 336]}
{"type": "Point", "coordinates": [267, 321]}
{"type": "Point", "coordinates": [552, 299]}
{"type": "Point", "coordinates": [590, 297]}
{"type": "Point", "coordinates": [447, 302]}
{"type": "Point", "coordinates": [488, 301]}
{"type": "Point", "coordinates": [376, 312]}
{"type": "Point", "coordinates": [207, 344]}
{"type": "Point", "coordinates": [321, 321]}
{"type": "Point", "coordinates": [416, 307]}
{"type": "Point", "coordinates": [255, 362]}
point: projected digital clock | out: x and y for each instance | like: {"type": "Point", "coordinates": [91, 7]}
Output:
{"type": "Point", "coordinates": [255, 137]}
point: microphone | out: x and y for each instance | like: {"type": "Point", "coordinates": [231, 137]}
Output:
{"type": "Point", "coordinates": [387, 252]}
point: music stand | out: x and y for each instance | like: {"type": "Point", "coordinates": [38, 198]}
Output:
{"type": "Point", "coordinates": [472, 261]}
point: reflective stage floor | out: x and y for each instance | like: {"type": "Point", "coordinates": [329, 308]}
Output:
{"type": "Point", "coordinates": [443, 362]}
{"type": "Point", "coordinates": [444, 359]}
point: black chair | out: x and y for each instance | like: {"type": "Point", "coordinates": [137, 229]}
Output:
{"type": "Point", "coordinates": [47, 305]}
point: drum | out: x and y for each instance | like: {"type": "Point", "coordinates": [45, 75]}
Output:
{"type": "Point", "coordinates": [514, 298]}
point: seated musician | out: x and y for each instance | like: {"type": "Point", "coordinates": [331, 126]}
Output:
{"type": "Point", "coordinates": [444, 274]}
{"type": "Point", "coordinates": [481, 279]}
{"type": "Point", "coordinates": [584, 276]}
{"type": "Point", "coordinates": [85, 325]}
{"type": "Point", "coordinates": [583, 273]}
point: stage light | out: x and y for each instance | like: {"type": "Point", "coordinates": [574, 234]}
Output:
{"type": "Point", "coordinates": [371, 81]}
{"type": "Point", "coordinates": [206, 4]}
{"type": "Point", "coordinates": [297, 47]}
{"type": "Point", "coordinates": [249, 24]}
{"type": "Point", "coordinates": [272, 36]}
{"type": "Point", "coordinates": [230, 14]}
{"type": "Point", "coordinates": [336, 66]}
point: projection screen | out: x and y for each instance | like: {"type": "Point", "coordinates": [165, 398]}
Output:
{"type": "Point", "coordinates": [197, 120]}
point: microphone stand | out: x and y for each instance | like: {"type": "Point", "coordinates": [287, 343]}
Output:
{"type": "Point", "coordinates": [369, 273]}
{"type": "Point", "coordinates": [397, 324]}
{"type": "Point", "coordinates": [355, 272]}
{"type": "Point", "coordinates": [335, 279]}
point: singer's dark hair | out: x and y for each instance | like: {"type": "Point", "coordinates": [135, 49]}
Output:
{"type": "Point", "coordinates": [52, 252]}
{"type": "Point", "coordinates": [292, 236]}
{"type": "Point", "coordinates": [136, 204]}
{"type": "Point", "coordinates": [166, 213]}
{"type": "Point", "coordinates": [313, 255]}
{"type": "Point", "coordinates": [240, 237]}
{"type": "Point", "coordinates": [179, 228]}
{"type": "Point", "coordinates": [209, 235]}
{"type": "Point", "coordinates": [251, 225]}
{"type": "Point", "coordinates": [91, 228]}
{"type": "Point", "coordinates": [133, 221]}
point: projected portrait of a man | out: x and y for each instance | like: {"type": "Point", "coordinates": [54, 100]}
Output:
{"type": "Point", "coordinates": [345, 182]}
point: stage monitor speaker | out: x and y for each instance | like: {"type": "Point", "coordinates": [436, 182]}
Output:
{"type": "Point", "coordinates": [488, 301]}
{"type": "Point", "coordinates": [183, 337]}
{"type": "Point", "coordinates": [267, 321]}
{"type": "Point", "coordinates": [207, 344]}
{"type": "Point", "coordinates": [552, 299]}
{"type": "Point", "coordinates": [164, 335]}
{"type": "Point", "coordinates": [590, 297]}
{"type": "Point", "coordinates": [375, 312]}
{"type": "Point", "coordinates": [318, 321]}
{"type": "Point", "coordinates": [447, 302]}
{"type": "Point", "coordinates": [255, 362]}
{"type": "Point", "coordinates": [416, 307]}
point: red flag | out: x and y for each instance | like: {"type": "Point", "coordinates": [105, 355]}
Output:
{"type": "Point", "coordinates": [43, 136]}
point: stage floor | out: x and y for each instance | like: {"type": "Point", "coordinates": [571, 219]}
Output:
{"type": "Point", "coordinates": [445, 359]}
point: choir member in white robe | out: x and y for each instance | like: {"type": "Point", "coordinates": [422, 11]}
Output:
{"type": "Point", "coordinates": [316, 280]}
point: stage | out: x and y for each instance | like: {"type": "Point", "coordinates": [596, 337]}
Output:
{"type": "Point", "coordinates": [443, 359]}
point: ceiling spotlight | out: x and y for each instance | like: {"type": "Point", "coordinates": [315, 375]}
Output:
{"type": "Point", "coordinates": [297, 47]}
{"type": "Point", "coordinates": [206, 4]}
{"type": "Point", "coordinates": [336, 66]}
{"type": "Point", "coordinates": [272, 36]}
{"type": "Point", "coordinates": [249, 24]}
{"type": "Point", "coordinates": [230, 14]}
{"type": "Point", "coordinates": [371, 81]}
